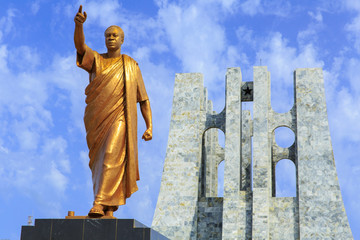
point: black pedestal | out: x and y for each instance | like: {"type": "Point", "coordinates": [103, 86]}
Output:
{"type": "Point", "coordinates": [89, 229]}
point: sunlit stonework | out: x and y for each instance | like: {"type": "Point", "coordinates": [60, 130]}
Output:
{"type": "Point", "coordinates": [188, 206]}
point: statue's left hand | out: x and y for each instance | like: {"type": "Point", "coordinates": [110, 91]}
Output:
{"type": "Point", "coordinates": [147, 135]}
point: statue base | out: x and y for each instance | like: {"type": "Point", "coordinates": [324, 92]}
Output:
{"type": "Point", "coordinates": [71, 215]}
{"type": "Point", "coordinates": [84, 228]}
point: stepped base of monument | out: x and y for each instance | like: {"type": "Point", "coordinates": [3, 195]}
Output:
{"type": "Point", "coordinates": [89, 229]}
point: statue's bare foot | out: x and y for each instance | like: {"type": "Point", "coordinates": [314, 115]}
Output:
{"type": "Point", "coordinates": [96, 211]}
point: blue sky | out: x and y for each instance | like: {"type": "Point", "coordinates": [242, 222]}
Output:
{"type": "Point", "coordinates": [43, 154]}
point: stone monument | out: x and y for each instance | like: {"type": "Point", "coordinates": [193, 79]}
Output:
{"type": "Point", "coordinates": [188, 206]}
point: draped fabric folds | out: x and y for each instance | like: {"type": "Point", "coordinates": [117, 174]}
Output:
{"type": "Point", "coordinates": [116, 85]}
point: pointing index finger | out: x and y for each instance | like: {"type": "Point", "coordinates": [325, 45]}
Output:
{"type": "Point", "coordinates": [80, 9]}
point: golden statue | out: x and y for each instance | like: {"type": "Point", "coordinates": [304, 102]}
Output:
{"type": "Point", "coordinates": [115, 86]}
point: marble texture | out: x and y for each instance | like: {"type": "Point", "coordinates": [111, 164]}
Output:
{"type": "Point", "coordinates": [189, 207]}
{"type": "Point", "coordinates": [176, 210]}
{"type": "Point", "coordinates": [321, 209]}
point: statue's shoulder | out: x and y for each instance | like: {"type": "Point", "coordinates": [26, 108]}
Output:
{"type": "Point", "coordinates": [129, 59]}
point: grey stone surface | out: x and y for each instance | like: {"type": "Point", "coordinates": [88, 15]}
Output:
{"type": "Point", "coordinates": [321, 209]}
{"type": "Point", "coordinates": [246, 154]}
{"type": "Point", "coordinates": [210, 211]}
{"type": "Point", "coordinates": [175, 214]}
{"type": "Point", "coordinates": [261, 154]}
{"type": "Point", "coordinates": [233, 224]}
{"type": "Point", "coordinates": [284, 217]}
{"type": "Point", "coordinates": [189, 207]}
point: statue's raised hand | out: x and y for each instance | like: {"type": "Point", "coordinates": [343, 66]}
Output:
{"type": "Point", "coordinates": [80, 17]}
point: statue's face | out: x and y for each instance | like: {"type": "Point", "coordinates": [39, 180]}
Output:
{"type": "Point", "coordinates": [113, 39]}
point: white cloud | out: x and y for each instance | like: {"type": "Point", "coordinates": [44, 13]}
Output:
{"type": "Point", "coordinates": [266, 7]}
{"type": "Point", "coordinates": [161, 3]}
{"type": "Point", "coordinates": [35, 6]}
{"type": "Point", "coordinates": [55, 178]}
{"type": "Point", "coordinates": [354, 29]}
{"type": "Point", "coordinates": [229, 5]}
{"type": "Point", "coordinates": [352, 5]}
{"type": "Point", "coordinates": [352, 74]}
{"type": "Point", "coordinates": [251, 7]}
{"type": "Point", "coordinates": [343, 91]}
{"type": "Point", "coordinates": [24, 58]}
{"type": "Point", "coordinates": [27, 169]}
{"type": "Point", "coordinates": [197, 39]}
{"type": "Point", "coordinates": [331, 78]}
{"type": "Point", "coordinates": [6, 22]}
{"type": "Point", "coordinates": [3, 59]}
{"type": "Point", "coordinates": [196, 35]}
{"type": "Point", "coordinates": [354, 26]}
{"type": "Point", "coordinates": [104, 13]}
{"type": "Point", "coordinates": [245, 35]}
{"type": "Point", "coordinates": [28, 140]}
{"type": "Point", "coordinates": [282, 60]}
{"type": "Point", "coordinates": [4, 150]}
{"type": "Point", "coordinates": [317, 16]}
{"type": "Point", "coordinates": [310, 35]}
{"type": "Point", "coordinates": [22, 97]}
{"type": "Point", "coordinates": [34, 156]}
{"type": "Point", "coordinates": [57, 147]}
{"type": "Point", "coordinates": [234, 57]}
{"type": "Point", "coordinates": [67, 76]}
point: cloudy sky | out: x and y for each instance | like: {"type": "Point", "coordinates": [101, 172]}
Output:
{"type": "Point", "coordinates": [43, 153]}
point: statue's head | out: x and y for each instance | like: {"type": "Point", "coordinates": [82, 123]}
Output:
{"type": "Point", "coordinates": [114, 37]}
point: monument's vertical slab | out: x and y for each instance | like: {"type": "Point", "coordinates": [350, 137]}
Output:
{"type": "Point", "coordinates": [246, 154]}
{"type": "Point", "coordinates": [232, 178]}
{"type": "Point", "coordinates": [284, 217]}
{"type": "Point", "coordinates": [210, 218]}
{"type": "Point", "coordinates": [321, 210]}
{"type": "Point", "coordinates": [246, 185]}
{"type": "Point", "coordinates": [175, 214]}
{"type": "Point", "coordinates": [261, 154]}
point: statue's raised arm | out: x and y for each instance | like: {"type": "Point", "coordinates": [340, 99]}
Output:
{"type": "Point", "coordinates": [79, 37]}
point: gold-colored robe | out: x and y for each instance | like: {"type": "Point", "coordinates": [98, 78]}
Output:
{"type": "Point", "coordinates": [116, 85]}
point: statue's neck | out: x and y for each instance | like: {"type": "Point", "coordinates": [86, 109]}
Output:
{"type": "Point", "coordinates": [114, 54]}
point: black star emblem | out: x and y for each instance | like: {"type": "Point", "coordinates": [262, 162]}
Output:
{"type": "Point", "coordinates": [247, 91]}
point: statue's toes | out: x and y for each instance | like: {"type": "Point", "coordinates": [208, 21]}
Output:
{"type": "Point", "coordinates": [96, 211]}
